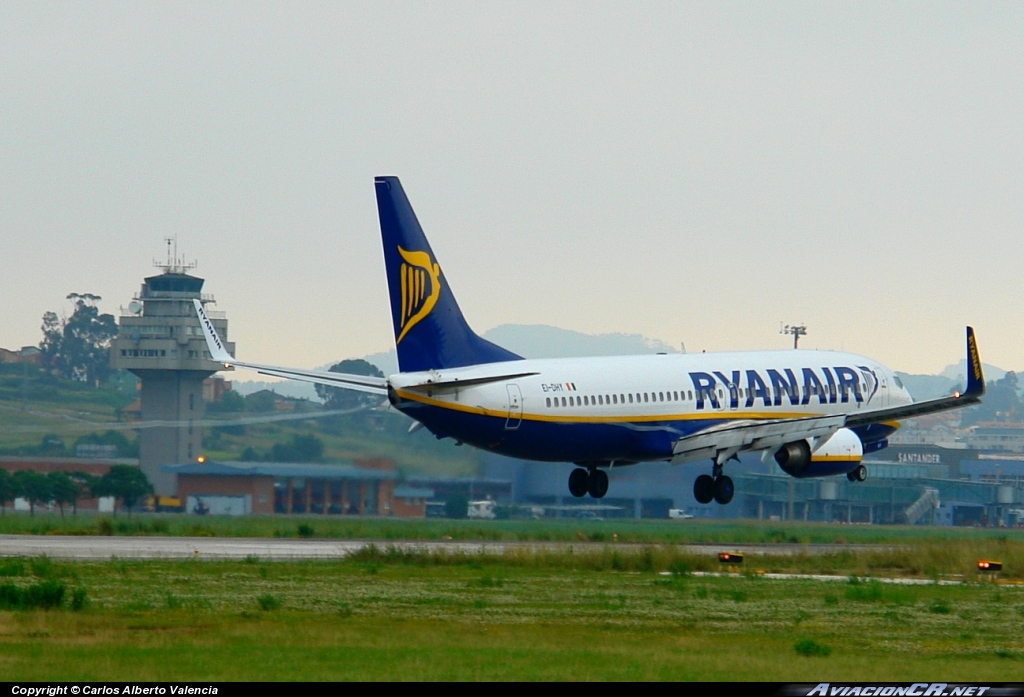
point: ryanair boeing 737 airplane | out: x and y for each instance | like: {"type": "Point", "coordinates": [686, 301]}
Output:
{"type": "Point", "coordinates": [816, 412]}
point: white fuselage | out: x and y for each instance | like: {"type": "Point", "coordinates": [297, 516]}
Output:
{"type": "Point", "coordinates": [630, 408]}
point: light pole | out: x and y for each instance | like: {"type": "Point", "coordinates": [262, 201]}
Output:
{"type": "Point", "coordinates": [796, 330]}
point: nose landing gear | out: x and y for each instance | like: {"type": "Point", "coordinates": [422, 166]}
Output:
{"type": "Point", "coordinates": [591, 481]}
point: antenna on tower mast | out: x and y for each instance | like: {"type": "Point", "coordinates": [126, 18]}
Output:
{"type": "Point", "coordinates": [174, 263]}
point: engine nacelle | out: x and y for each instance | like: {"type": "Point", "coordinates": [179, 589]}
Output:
{"type": "Point", "coordinates": [840, 454]}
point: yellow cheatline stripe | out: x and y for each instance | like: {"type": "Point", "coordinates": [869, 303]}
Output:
{"type": "Point", "coordinates": [835, 458]}
{"type": "Point", "coordinates": [568, 418]}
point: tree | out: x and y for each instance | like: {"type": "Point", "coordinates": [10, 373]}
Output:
{"type": "Point", "coordinates": [84, 483]}
{"type": "Point", "coordinates": [78, 347]}
{"type": "Point", "coordinates": [456, 506]}
{"type": "Point", "coordinates": [230, 403]}
{"type": "Point", "coordinates": [307, 448]}
{"type": "Point", "coordinates": [63, 490]}
{"type": "Point", "coordinates": [337, 398]}
{"type": "Point", "coordinates": [32, 486]}
{"type": "Point", "coordinates": [124, 482]}
{"type": "Point", "coordinates": [125, 447]}
{"type": "Point", "coordinates": [51, 444]}
{"type": "Point", "coordinates": [262, 401]}
{"type": "Point", "coordinates": [6, 489]}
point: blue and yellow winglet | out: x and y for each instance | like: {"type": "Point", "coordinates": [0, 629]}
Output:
{"type": "Point", "coordinates": [975, 377]}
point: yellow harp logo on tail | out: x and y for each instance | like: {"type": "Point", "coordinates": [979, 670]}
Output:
{"type": "Point", "coordinates": [420, 288]}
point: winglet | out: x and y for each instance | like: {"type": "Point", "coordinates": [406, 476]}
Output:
{"type": "Point", "coordinates": [216, 346]}
{"type": "Point", "coordinates": [975, 378]}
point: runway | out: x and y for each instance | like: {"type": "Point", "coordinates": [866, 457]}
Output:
{"type": "Point", "coordinates": [99, 548]}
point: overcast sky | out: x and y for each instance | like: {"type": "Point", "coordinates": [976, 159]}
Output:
{"type": "Point", "coordinates": [695, 172]}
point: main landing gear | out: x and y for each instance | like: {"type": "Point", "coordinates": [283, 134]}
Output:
{"type": "Point", "coordinates": [715, 486]}
{"type": "Point", "coordinates": [588, 481]}
{"type": "Point", "coordinates": [858, 475]}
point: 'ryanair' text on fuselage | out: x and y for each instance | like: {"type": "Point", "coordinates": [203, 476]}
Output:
{"type": "Point", "coordinates": [839, 384]}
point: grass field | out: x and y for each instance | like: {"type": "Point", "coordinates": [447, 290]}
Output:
{"type": "Point", "coordinates": [650, 531]}
{"type": "Point", "coordinates": [642, 613]}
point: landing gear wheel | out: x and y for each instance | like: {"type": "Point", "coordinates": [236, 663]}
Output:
{"type": "Point", "coordinates": [597, 483]}
{"type": "Point", "coordinates": [704, 489]}
{"type": "Point", "coordinates": [578, 482]}
{"type": "Point", "coordinates": [724, 489]}
{"type": "Point", "coordinates": [858, 475]}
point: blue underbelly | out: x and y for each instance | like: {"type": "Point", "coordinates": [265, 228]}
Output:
{"type": "Point", "coordinates": [556, 441]}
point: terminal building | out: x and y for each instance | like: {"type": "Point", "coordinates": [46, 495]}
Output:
{"type": "Point", "coordinates": [160, 341]}
{"type": "Point", "coordinates": [354, 487]}
{"type": "Point", "coordinates": [907, 484]}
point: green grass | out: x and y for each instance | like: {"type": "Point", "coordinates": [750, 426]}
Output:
{"type": "Point", "coordinates": [385, 615]}
{"type": "Point", "coordinates": [625, 530]}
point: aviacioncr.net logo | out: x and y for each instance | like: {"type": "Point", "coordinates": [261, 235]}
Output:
{"type": "Point", "coordinates": [420, 287]}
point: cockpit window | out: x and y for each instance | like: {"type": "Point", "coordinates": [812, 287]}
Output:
{"type": "Point", "coordinates": [896, 379]}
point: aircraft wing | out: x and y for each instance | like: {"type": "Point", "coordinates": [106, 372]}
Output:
{"type": "Point", "coordinates": [972, 395]}
{"type": "Point", "coordinates": [725, 440]}
{"type": "Point", "coordinates": [347, 381]}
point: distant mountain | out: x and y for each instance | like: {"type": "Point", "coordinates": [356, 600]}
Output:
{"type": "Point", "coordinates": [959, 370]}
{"type": "Point", "coordinates": [543, 341]}
{"type": "Point", "coordinates": [923, 387]}
{"type": "Point", "coordinates": [951, 378]}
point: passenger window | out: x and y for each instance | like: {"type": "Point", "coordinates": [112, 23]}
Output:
{"type": "Point", "coordinates": [563, 401]}
{"type": "Point", "coordinates": [549, 401]}
{"type": "Point", "coordinates": [630, 398]}
{"type": "Point", "coordinates": [645, 397]}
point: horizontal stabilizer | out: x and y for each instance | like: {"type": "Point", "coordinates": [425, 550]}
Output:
{"type": "Point", "coordinates": [471, 382]}
{"type": "Point", "coordinates": [345, 381]}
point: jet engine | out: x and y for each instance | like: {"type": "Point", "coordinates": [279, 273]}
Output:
{"type": "Point", "coordinates": [840, 454]}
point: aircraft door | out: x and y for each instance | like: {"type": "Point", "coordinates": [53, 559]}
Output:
{"type": "Point", "coordinates": [515, 408]}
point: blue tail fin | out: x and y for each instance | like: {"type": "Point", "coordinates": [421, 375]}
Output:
{"type": "Point", "coordinates": [430, 331]}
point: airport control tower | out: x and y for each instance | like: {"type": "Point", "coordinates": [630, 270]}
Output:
{"type": "Point", "coordinates": [159, 340]}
